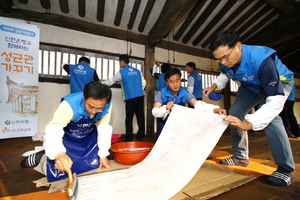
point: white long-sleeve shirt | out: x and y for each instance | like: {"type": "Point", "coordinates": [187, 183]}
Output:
{"type": "Point", "coordinates": [262, 117]}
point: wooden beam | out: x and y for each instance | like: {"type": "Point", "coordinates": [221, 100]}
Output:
{"type": "Point", "coordinates": [231, 18]}
{"type": "Point", "coordinates": [45, 4]}
{"type": "Point", "coordinates": [23, 1]}
{"type": "Point", "coordinates": [6, 6]}
{"type": "Point", "coordinates": [83, 26]}
{"type": "Point", "coordinates": [75, 24]}
{"type": "Point", "coordinates": [64, 6]}
{"type": "Point", "coordinates": [133, 14]}
{"type": "Point", "coordinates": [206, 13]}
{"type": "Point", "coordinates": [189, 20]}
{"type": "Point", "coordinates": [271, 26]}
{"type": "Point", "coordinates": [173, 13]}
{"type": "Point", "coordinates": [119, 12]}
{"type": "Point", "coordinates": [145, 16]}
{"type": "Point", "coordinates": [193, 51]}
{"type": "Point", "coordinates": [246, 15]}
{"type": "Point", "coordinates": [150, 89]}
{"type": "Point", "coordinates": [253, 19]}
{"type": "Point", "coordinates": [284, 48]}
{"type": "Point", "coordinates": [278, 36]}
{"type": "Point", "coordinates": [289, 7]}
{"type": "Point", "coordinates": [214, 21]}
{"type": "Point", "coordinates": [81, 8]}
{"type": "Point", "coordinates": [100, 10]}
{"type": "Point", "coordinates": [269, 18]}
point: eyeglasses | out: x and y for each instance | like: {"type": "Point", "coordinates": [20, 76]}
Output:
{"type": "Point", "coordinates": [224, 58]}
{"type": "Point", "coordinates": [91, 108]}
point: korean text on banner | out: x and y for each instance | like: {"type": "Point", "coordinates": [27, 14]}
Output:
{"type": "Point", "coordinates": [19, 56]}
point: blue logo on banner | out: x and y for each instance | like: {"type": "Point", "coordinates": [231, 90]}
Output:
{"type": "Point", "coordinates": [17, 31]}
{"type": "Point", "coordinates": [7, 122]}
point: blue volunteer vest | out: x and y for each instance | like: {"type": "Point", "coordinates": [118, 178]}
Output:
{"type": "Point", "coordinates": [80, 139]}
{"type": "Point", "coordinates": [80, 75]}
{"type": "Point", "coordinates": [250, 63]}
{"type": "Point", "coordinates": [197, 84]}
{"type": "Point", "coordinates": [161, 81]}
{"type": "Point", "coordinates": [167, 96]}
{"type": "Point", "coordinates": [131, 82]}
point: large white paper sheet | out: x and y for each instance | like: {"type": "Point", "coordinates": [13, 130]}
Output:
{"type": "Point", "coordinates": [184, 144]}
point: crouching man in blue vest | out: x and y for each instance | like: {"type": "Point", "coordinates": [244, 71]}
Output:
{"type": "Point", "coordinates": [173, 94]}
{"type": "Point", "coordinates": [263, 79]}
{"type": "Point", "coordinates": [79, 135]}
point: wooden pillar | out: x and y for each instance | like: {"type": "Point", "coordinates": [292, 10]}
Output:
{"type": "Point", "coordinates": [149, 90]}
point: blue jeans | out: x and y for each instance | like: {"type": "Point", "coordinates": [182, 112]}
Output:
{"type": "Point", "coordinates": [275, 131]}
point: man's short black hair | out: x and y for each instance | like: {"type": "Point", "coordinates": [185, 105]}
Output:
{"type": "Point", "coordinates": [84, 59]}
{"type": "Point", "coordinates": [172, 72]}
{"type": "Point", "coordinates": [191, 64]}
{"type": "Point", "coordinates": [224, 38]}
{"type": "Point", "coordinates": [97, 91]}
{"type": "Point", "coordinates": [124, 57]}
{"type": "Point", "coordinates": [165, 67]}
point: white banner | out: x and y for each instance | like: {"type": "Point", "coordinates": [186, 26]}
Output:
{"type": "Point", "coordinates": [19, 57]}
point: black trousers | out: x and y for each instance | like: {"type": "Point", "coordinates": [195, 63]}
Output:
{"type": "Point", "coordinates": [289, 119]}
{"type": "Point", "coordinates": [135, 106]}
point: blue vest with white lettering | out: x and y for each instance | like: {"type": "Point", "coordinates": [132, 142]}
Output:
{"type": "Point", "coordinates": [197, 84]}
{"type": "Point", "coordinates": [80, 75]}
{"type": "Point", "coordinates": [252, 57]}
{"type": "Point", "coordinates": [167, 96]}
{"type": "Point", "coordinates": [80, 139]}
{"type": "Point", "coordinates": [131, 82]}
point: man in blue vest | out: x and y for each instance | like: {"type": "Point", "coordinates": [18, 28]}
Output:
{"type": "Point", "coordinates": [194, 82]}
{"type": "Point", "coordinates": [160, 76]}
{"type": "Point", "coordinates": [263, 79]}
{"type": "Point", "coordinates": [133, 84]}
{"type": "Point", "coordinates": [80, 74]}
{"type": "Point", "coordinates": [79, 135]}
{"type": "Point", "coordinates": [173, 94]}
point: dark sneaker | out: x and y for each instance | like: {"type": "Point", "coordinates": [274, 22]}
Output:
{"type": "Point", "coordinates": [32, 160]}
{"type": "Point", "coordinates": [281, 179]}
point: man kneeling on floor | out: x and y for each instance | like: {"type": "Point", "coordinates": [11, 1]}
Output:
{"type": "Point", "coordinates": [78, 137]}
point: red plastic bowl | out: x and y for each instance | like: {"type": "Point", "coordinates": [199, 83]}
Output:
{"type": "Point", "coordinates": [131, 153]}
{"type": "Point", "coordinates": [115, 138]}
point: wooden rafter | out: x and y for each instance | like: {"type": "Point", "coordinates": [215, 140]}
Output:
{"type": "Point", "coordinates": [289, 7]}
{"type": "Point", "coordinates": [173, 13]}
{"type": "Point", "coordinates": [201, 20]}
{"type": "Point", "coordinates": [119, 12]}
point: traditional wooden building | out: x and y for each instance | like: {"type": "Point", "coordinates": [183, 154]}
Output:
{"type": "Point", "coordinates": [23, 98]}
